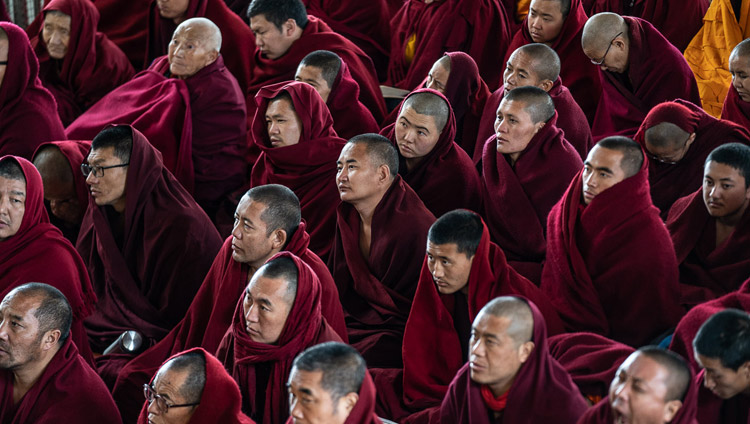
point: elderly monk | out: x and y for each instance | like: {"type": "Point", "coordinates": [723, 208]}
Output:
{"type": "Point", "coordinates": [77, 64]}
{"type": "Point", "coordinates": [277, 317]}
{"type": "Point", "coordinates": [380, 224]}
{"type": "Point", "coordinates": [526, 167]}
{"type": "Point", "coordinates": [678, 136]}
{"type": "Point", "coordinates": [737, 104]}
{"type": "Point", "coordinates": [329, 75]}
{"type": "Point", "coordinates": [430, 161]}
{"type": "Point", "coordinates": [43, 379]}
{"type": "Point", "coordinates": [267, 221]}
{"type": "Point", "coordinates": [28, 115]}
{"type": "Point", "coordinates": [538, 65]}
{"type": "Point", "coordinates": [294, 132]}
{"type": "Point", "coordinates": [31, 249]}
{"type": "Point", "coordinates": [639, 69]}
{"type": "Point", "coordinates": [192, 387]}
{"type": "Point", "coordinates": [651, 386]}
{"type": "Point", "coordinates": [511, 376]}
{"type": "Point", "coordinates": [606, 246]}
{"type": "Point", "coordinates": [711, 227]}
{"type": "Point", "coordinates": [329, 383]}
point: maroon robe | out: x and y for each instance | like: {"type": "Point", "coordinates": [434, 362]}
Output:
{"type": "Point", "coordinates": [350, 116]}
{"type": "Point", "coordinates": [376, 292]}
{"type": "Point", "coordinates": [28, 112]}
{"type": "Point", "coordinates": [245, 359]}
{"type": "Point", "coordinates": [4, 13]}
{"type": "Point", "coordinates": [129, 34]}
{"type": "Point", "coordinates": [735, 109]}
{"type": "Point", "coordinates": [713, 409]}
{"type": "Point", "coordinates": [657, 73]}
{"type": "Point", "coordinates": [542, 392]}
{"type": "Point", "coordinates": [518, 198]}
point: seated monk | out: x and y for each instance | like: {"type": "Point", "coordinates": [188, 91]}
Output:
{"type": "Point", "coordinates": [511, 376]}
{"type": "Point", "coordinates": [28, 113]}
{"type": "Point", "coordinates": [539, 66]}
{"type": "Point", "coordinates": [32, 249]}
{"type": "Point", "coordinates": [43, 379]}
{"type": "Point", "coordinates": [559, 24]}
{"type": "Point", "coordinates": [299, 147]}
{"type": "Point", "coordinates": [606, 246]}
{"type": "Point", "coordinates": [639, 69]}
{"type": "Point", "coordinates": [277, 317]}
{"type": "Point", "coordinates": [677, 137]}
{"type": "Point", "coordinates": [77, 64]}
{"type": "Point", "coordinates": [526, 167]}
{"type": "Point", "coordinates": [329, 383]}
{"type": "Point", "coordinates": [737, 104]}
{"type": "Point", "coordinates": [650, 373]}
{"type": "Point", "coordinates": [145, 241]}
{"type": "Point", "coordinates": [430, 161]}
{"type": "Point", "coordinates": [192, 387]}
{"type": "Point", "coordinates": [380, 224]}
{"type": "Point", "coordinates": [330, 77]}
{"type": "Point", "coordinates": [711, 227]}
{"type": "Point", "coordinates": [267, 221]}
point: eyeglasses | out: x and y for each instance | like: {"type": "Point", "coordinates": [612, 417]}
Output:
{"type": "Point", "coordinates": [674, 158]}
{"type": "Point", "coordinates": [4, 62]}
{"type": "Point", "coordinates": [599, 63]}
{"type": "Point", "coordinates": [98, 171]}
{"type": "Point", "coordinates": [161, 403]}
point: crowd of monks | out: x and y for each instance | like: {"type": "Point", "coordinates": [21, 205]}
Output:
{"type": "Point", "coordinates": [391, 211]}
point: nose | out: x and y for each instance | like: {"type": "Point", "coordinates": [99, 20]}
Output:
{"type": "Point", "coordinates": [343, 175]}
{"type": "Point", "coordinates": [589, 179]}
{"type": "Point", "coordinates": [477, 349]}
{"type": "Point", "coordinates": [235, 230]}
{"type": "Point", "coordinates": [500, 126]}
{"type": "Point", "coordinates": [273, 128]}
{"type": "Point", "coordinates": [431, 84]}
{"type": "Point", "coordinates": [714, 192]}
{"type": "Point", "coordinates": [152, 409]}
{"type": "Point", "coordinates": [708, 382]}
{"type": "Point", "coordinates": [511, 80]}
{"type": "Point", "coordinates": [535, 23]}
{"type": "Point", "coordinates": [437, 270]}
{"type": "Point", "coordinates": [258, 41]}
{"type": "Point", "coordinates": [621, 392]}
{"type": "Point", "coordinates": [296, 410]}
{"type": "Point", "coordinates": [91, 179]}
{"type": "Point", "coordinates": [251, 315]}
{"type": "Point", "coordinates": [55, 38]}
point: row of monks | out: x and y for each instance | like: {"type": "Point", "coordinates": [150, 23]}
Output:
{"type": "Point", "coordinates": [199, 221]}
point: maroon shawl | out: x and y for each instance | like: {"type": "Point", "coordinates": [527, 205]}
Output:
{"type": "Point", "coordinates": [377, 292]}
{"type": "Point", "coordinates": [657, 73]}
{"type": "Point", "coordinates": [28, 112]}
{"type": "Point", "coordinates": [518, 198]}
{"type": "Point", "coordinates": [364, 410]}
{"type": "Point", "coordinates": [713, 409]}
{"type": "Point", "coordinates": [129, 34]}
{"type": "Point", "coordinates": [601, 258]}
{"type": "Point", "coordinates": [735, 109]}
{"type": "Point", "coordinates": [304, 327]}
{"type": "Point", "coordinates": [68, 391]}
{"type": "Point", "coordinates": [542, 392]}
{"type": "Point", "coordinates": [307, 168]}
{"type": "Point", "coordinates": [4, 12]}
{"type": "Point", "coordinates": [350, 116]}
{"type": "Point", "coordinates": [92, 67]}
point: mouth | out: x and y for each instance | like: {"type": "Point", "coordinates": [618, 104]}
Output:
{"type": "Point", "coordinates": [235, 248]}
{"type": "Point", "coordinates": [276, 141]}
{"type": "Point", "coordinates": [404, 148]}
{"type": "Point", "coordinates": [588, 195]}
{"type": "Point", "coordinates": [476, 366]}
{"type": "Point", "coordinates": [712, 204]}
{"type": "Point", "coordinates": [252, 332]}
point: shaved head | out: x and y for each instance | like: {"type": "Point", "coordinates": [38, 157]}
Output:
{"type": "Point", "coordinates": [53, 165]}
{"type": "Point", "coordinates": [679, 377]}
{"type": "Point", "coordinates": [380, 150]}
{"type": "Point", "coordinates": [545, 61]}
{"type": "Point", "coordinates": [600, 29]}
{"type": "Point", "coordinates": [521, 328]}
{"type": "Point", "coordinates": [431, 105]}
{"type": "Point", "coordinates": [537, 102]}
{"type": "Point", "coordinates": [666, 135]}
{"type": "Point", "coordinates": [445, 62]}
{"type": "Point", "coordinates": [742, 49]}
{"type": "Point", "coordinates": [206, 30]}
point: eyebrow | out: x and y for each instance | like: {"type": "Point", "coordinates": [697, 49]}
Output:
{"type": "Point", "coordinates": [18, 193]}
{"type": "Point", "coordinates": [409, 122]}
{"type": "Point", "coordinates": [275, 116]}
{"type": "Point", "coordinates": [348, 161]}
{"type": "Point", "coordinates": [306, 391]}
{"type": "Point", "coordinates": [537, 12]}
{"type": "Point", "coordinates": [600, 168]}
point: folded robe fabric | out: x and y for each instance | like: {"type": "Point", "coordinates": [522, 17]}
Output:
{"type": "Point", "coordinates": [129, 34]}
{"type": "Point", "coordinates": [736, 109]}
{"type": "Point", "coordinates": [350, 116]}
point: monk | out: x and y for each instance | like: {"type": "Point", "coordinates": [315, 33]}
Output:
{"type": "Point", "coordinates": [294, 131]}
{"type": "Point", "coordinates": [381, 223]}
{"type": "Point", "coordinates": [43, 379]}
{"type": "Point", "coordinates": [277, 317]}
{"type": "Point", "coordinates": [651, 386]}
{"type": "Point", "coordinates": [511, 376]}
{"type": "Point", "coordinates": [737, 104]}
{"type": "Point", "coordinates": [78, 64]}
{"type": "Point", "coordinates": [267, 222]}
{"type": "Point", "coordinates": [711, 227]}
{"type": "Point", "coordinates": [28, 115]}
{"type": "Point", "coordinates": [329, 75]}
{"type": "Point", "coordinates": [677, 137]}
{"type": "Point", "coordinates": [539, 66]}
{"type": "Point", "coordinates": [639, 69]}
{"type": "Point", "coordinates": [430, 161]}
{"type": "Point", "coordinates": [192, 387]}
{"type": "Point", "coordinates": [606, 246]}
{"type": "Point", "coordinates": [526, 167]}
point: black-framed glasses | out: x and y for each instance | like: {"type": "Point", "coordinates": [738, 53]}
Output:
{"type": "Point", "coordinates": [4, 62]}
{"type": "Point", "coordinates": [161, 403]}
{"type": "Point", "coordinates": [599, 63]}
{"type": "Point", "coordinates": [672, 159]}
{"type": "Point", "coordinates": [98, 171]}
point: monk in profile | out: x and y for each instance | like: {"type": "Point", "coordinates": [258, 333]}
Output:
{"type": "Point", "coordinates": [737, 104]}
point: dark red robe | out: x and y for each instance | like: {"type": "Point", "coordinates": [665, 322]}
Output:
{"type": "Point", "coordinates": [735, 109]}
{"type": "Point", "coordinates": [4, 13]}
{"type": "Point", "coordinates": [129, 34]}
{"type": "Point", "coordinates": [713, 409]}
{"type": "Point", "coordinates": [350, 116]}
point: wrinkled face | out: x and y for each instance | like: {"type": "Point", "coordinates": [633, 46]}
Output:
{"type": "Point", "coordinates": [450, 268]}
{"type": "Point", "coordinates": [3, 58]}
{"type": "Point", "coordinates": [251, 243]}
{"type": "Point", "coordinates": [724, 191]}
{"type": "Point", "coordinates": [638, 392]}
{"type": "Point", "coordinates": [725, 383]}
{"type": "Point", "coordinates": [63, 201]}
{"type": "Point", "coordinates": [20, 338]}
{"type": "Point", "coordinates": [189, 51]}
{"type": "Point", "coordinates": [519, 72]}
{"type": "Point", "coordinates": [356, 175]}
{"type": "Point", "coordinates": [56, 34]}
{"type": "Point", "coordinates": [739, 67]}
{"type": "Point", "coordinates": [175, 10]}
{"type": "Point", "coordinates": [545, 20]}
{"type": "Point", "coordinates": [310, 403]}
{"type": "Point", "coordinates": [269, 39]}
{"type": "Point", "coordinates": [612, 57]}
{"type": "Point", "coordinates": [167, 384]}
{"type": "Point", "coordinates": [110, 188]}
{"type": "Point", "coordinates": [416, 134]}
{"type": "Point", "coordinates": [514, 128]}
{"type": "Point", "coordinates": [283, 125]}
{"type": "Point", "coordinates": [265, 308]}
{"type": "Point", "coordinates": [601, 170]}
{"type": "Point", "coordinates": [494, 358]}
{"type": "Point", "coordinates": [313, 76]}
{"type": "Point", "coordinates": [12, 206]}
{"type": "Point", "coordinates": [437, 79]}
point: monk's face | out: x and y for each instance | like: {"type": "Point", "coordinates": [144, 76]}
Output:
{"type": "Point", "coordinates": [520, 72]}
{"type": "Point", "coordinates": [611, 57]}
{"type": "Point", "coordinates": [266, 307]}
{"type": "Point", "coordinates": [356, 175]}
{"type": "Point", "coordinates": [190, 50]}
{"type": "Point", "coordinates": [545, 20]}
{"type": "Point", "coordinates": [639, 390]}
{"type": "Point", "coordinates": [450, 268]}
{"type": "Point", "coordinates": [310, 403]}
{"type": "Point", "coordinates": [176, 10]}
{"type": "Point", "coordinates": [514, 128]}
{"type": "Point", "coordinates": [671, 152]}
{"type": "Point", "coordinates": [63, 201]}
{"type": "Point", "coordinates": [739, 67]}
{"type": "Point", "coordinates": [283, 124]}
{"type": "Point", "coordinates": [251, 242]}
{"type": "Point", "coordinates": [56, 34]}
{"type": "Point", "coordinates": [167, 387]}
{"type": "Point", "coordinates": [724, 382]}
{"type": "Point", "coordinates": [12, 206]}
{"type": "Point", "coordinates": [21, 343]}
{"type": "Point", "coordinates": [271, 41]}
{"type": "Point", "coordinates": [601, 170]}
{"type": "Point", "coordinates": [416, 134]}
{"type": "Point", "coordinates": [724, 191]}
{"type": "Point", "coordinates": [313, 76]}
{"type": "Point", "coordinates": [437, 79]}
{"type": "Point", "coordinates": [3, 58]}
{"type": "Point", "coordinates": [108, 189]}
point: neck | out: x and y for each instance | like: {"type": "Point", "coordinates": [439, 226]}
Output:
{"type": "Point", "coordinates": [500, 388]}
{"type": "Point", "coordinates": [412, 163]}
{"type": "Point", "coordinates": [24, 378]}
{"type": "Point", "coordinates": [119, 205]}
{"type": "Point", "coordinates": [366, 207]}
{"type": "Point", "coordinates": [513, 158]}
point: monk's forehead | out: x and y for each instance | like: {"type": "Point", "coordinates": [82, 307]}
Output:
{"type": "Point", "coordinates": [195, 32]}
{"type": "Point", "coordinates": [520, 60]}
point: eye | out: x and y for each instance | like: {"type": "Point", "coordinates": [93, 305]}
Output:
{"type": "Point", "coordinates": [430, 258]}
{"type": "Point", "coordinates": [726, 186]}
{"type": "Point", "coordinates": [604, 175]}
{"type": "Point", "coordinates": [422, 133]}
{"type": "Point", "coordinates": [265, 308]}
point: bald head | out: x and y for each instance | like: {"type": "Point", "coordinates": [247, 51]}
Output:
{"type": "Point", "coordinates": [379, 149]}
{"type": "Point", "coordinates": [678, 374]}
{"type": "Point", "coordinates": [521, 328]}
{"type": "Point", "coordinates": [53, 166]}
{"type": "Point", "coordinates": [195, 44]}
{"type": "Point", "coordinates": [600, 29]}
{"type": "Point", "coordinates": [431, 105]}
{"type": "Point", "coordinates": [544, 60]}
{"type": "Point", "coordinates": [205, 30]}
{"type": "Point", "coordinates": [666, 135]}
{"type": "Point", "coordinates": [741, 50]}
{"type": "Point", "coordinates": [537, 103]}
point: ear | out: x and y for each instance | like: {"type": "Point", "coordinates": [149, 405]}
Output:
{"type": "Point", "coordinates": [349, 401]}
{"type": "Point", "coordinates": [619, 42]}
{"type": "Point", "coordinates": [546, 85]}
{"type": "Point", "coordinates": [384, 173]}
{"type": "Point", "coordinates": [670, 410]}
{"type": "Point", "coordinates": [289, 27]}
{"type": "Point", "coordinates": [278, 238]}
{"type": "Point", "coordinates": [50, 339]}
{"type": "Point", "coordinates": [539, 125]}
{"type": "Point", "coordinates": [212, 56]}
{"type": "Point", "coordinates": [524, 351]}
{"type": "Point", "coordinates": [690, 140]}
